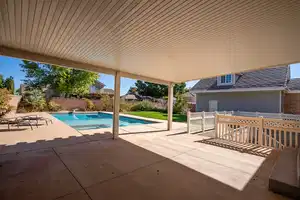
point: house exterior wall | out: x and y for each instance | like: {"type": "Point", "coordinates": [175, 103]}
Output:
{"type": "Point", "coordinates": [93, 89]}
{"type": "Point", "coordinates": [262, 101]}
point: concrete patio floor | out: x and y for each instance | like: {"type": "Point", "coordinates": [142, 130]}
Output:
{"type": "Point", "coordinates": [146, 162]}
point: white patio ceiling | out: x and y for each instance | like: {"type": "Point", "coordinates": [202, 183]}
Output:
{"type": "Point", "coordinates": [172, 41]}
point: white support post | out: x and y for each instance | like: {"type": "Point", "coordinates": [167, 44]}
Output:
{"type": "Point", "coordinates": [188, 116]}
{"type": "Point", "coordinates": [116, 108]}
{"type": "Point", "coordinates": [170, 106]}
{"type": "Point", "coordinates": [203, 121]}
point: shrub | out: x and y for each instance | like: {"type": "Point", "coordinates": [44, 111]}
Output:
{"type": "Point", "coordinates": [4, 100]}
{"type": "Point", "coordinates": [22, 109]}
{"type": "Point", "coordinates": [33, 101]}
{"type": "Point", "coordinates": [52, 106]}
{"type": "Point", "coordinates": [125, 106]}
{"type": "Point", "coordinates": [143, 106]}
{"type": "Point", "coordinates": [90, 106]}
{"type": "Point", "coordinates": [181, 104]}
{"type": "Point", "coordinates": [106, 103]}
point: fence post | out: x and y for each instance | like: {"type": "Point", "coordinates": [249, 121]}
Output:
{"type": "Point", "coordinates": [203, 121]}
{"type": "Point", "coordinates": [188, 114]}
{"type": "Point", "coordinates": [261, 130]}
{"type": "Point", "coordinates": [216, 125]}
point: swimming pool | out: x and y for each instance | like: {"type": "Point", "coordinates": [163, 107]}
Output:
{"type": "Point", "coordinates": [86, 121]}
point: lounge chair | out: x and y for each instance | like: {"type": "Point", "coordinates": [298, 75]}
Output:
{"type": "Point", "coordinates": [15, 121]}
{"type": "Point", "coordinates": [36, 118]}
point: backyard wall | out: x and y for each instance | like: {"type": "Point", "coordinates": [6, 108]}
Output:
{"type": "Point", "coordinates": [263, 101]}
{"type": "Point", "coordinates": [14, 100]}
{"type": "Point", "coordinates": [292, 103]}
{"type": "Point", "coordinates": [72, 103]}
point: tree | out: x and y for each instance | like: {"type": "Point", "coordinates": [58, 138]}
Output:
{"type": "Point", "coordinates": [181, 104]}
{"type": "Point", "coordinates": [35, 100]}
{"type": "Point", "coordinates": [157, 90]}
{"type": "Point", "coordinates": [62, 80]}
{"type": "Point", "coordinates": [132, 90]}
{"type": "Point", "coordinates": [4, 100]}
{"type": "Point", "coordinates": [180, 88]}
{"type": "Point", "coordinates": [1, 81]}
{"type": "Point", "coordinates": [10, 84]}
{"type": "Point", "coordinates": [18, 91]}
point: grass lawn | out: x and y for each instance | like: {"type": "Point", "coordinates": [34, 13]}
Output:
{"type": "Point", "coordinates": [158, 115]}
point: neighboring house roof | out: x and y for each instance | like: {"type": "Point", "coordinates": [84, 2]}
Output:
{"type": "Point", "coordinates": [107, 91]}
{"type": "Point", "coordinates": [129, 97]}
{"type": "Point", "coordinates": [99, 85]}
{"type": "Point", "coordinates": [190, 97]}
{"type": "Point", "coordinates": [294, 84]}
{"type": "Point", "coordinates": [271, 78]}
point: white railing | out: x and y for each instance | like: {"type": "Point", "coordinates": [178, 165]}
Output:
{"type": "Point", "coordinates": [202, 121]}
{"type": "Point", "coordinates": [274, 133]}
{"type": "Point", "coordinates": [268, 115]}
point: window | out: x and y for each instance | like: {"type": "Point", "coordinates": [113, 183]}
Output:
{"type": "Point", "coordinates": [226, 80]}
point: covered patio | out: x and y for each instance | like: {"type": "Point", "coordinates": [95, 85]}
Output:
{"type": "Point", "coordinates": [164, 42]}
{"type": "Point", "coordinates": [146, 162]}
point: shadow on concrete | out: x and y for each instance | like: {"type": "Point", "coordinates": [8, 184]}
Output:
{"type": "Point", "coordinates": [97, 167]}
{"type": "Point", "coordinates": [12, 129]}
{"type": "Point", "coordinates": [179, 133]}
{"type": "Point", "coordinates": [243, 148]}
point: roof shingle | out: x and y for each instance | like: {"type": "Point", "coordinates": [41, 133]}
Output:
{"type": "Point", "coordinates": [293, 84]}
{"type": "Point", "coordinates": [268, 77]}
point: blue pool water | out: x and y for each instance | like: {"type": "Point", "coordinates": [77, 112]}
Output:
{"type": "Point", "coordinates": [85, 121]}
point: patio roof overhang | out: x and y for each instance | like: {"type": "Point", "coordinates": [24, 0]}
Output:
{"type": "Point", "coordinates": [162, 41]}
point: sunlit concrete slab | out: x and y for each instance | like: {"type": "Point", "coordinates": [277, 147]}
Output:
{"type": "Point", "coordinates": [35, 175]}
{"type": "Point", "coordinates": [139, 129]}
{"type": "Point", "coordinates": [175, 125]}
{"type": "Point", "coordinates": [236, 178]}
{"type": "Point", "coordinates": [44, 136]}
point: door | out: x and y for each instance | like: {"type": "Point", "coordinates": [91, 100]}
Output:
{"type": "Point", "coordinates": [213, 105]}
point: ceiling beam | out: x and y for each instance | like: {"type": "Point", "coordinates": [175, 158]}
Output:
{"type": "Point", "coordinates": [144, 78]}
{"type": "Point", "coordinates": [26, 55]}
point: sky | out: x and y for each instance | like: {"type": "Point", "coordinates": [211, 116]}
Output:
{"type": "Point", "coordinates": [11, 67]}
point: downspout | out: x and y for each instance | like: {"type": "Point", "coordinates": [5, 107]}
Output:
{"type": "Point", "coordinates": [280, 101]}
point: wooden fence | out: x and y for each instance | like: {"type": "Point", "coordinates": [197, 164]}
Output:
{"type": "Point", "coordinates": [274, 133]}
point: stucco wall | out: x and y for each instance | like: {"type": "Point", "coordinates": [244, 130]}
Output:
{"type": "Point", "coordinates": [69, 103]}
{"type": "Point", "coordinates": [14, 100]}
{"type": "Point", "coordinates": [264, 101]}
